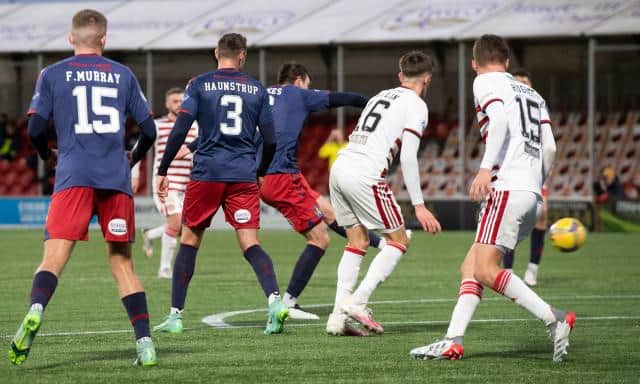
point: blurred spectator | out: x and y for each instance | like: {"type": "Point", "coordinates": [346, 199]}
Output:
{"type": "Point", "coordinates": [608, 186]}
{"type": "Point", "coordinates": [329, 150]}
{"type": "Point", "coordinates": [11, 143]}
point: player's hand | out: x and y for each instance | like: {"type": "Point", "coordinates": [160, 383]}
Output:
{"type": "Point", "coordinates": [135, 184]}
{"type": "Point", "coordinates": [427, 220]}
{"type": "Point", "coordinates": [162, 186]}
{"type": "Point", "coordinates": [481, 186]}
{"type": "Point", "coordinates": [182, 153]}
{"type": "Point", "coordinates": [53, 159]}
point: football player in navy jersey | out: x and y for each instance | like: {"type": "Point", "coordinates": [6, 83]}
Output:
{"type": "Point", "coordinates": [285, 188]}
{"type": "Point", "coordinates": [228, 106]}
{"type": "Point", "coordinates": [88, 97]}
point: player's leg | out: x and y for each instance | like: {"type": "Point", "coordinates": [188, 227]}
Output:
{"type": "Point", "coordinates": [317, 242]}
{"type": "Point", "coordinates": [116, 217]}
{"type": "Point", "coordinates": [150, 234]}
{"type": "Point", "coordinates": [375, 240]}
{"type": "Point", "coordinates": [201, 202]}
{"type": "Point", "coordinates": [509, 225]}
{"type": "Point", "coordinates": [134, 300]}
{"type": "Point", "coordinates": [67, 221]}
{"type": "Point", "coordinates": [45, 281]}
{"type": "Point", "coordinates": [469, 296]}
{"type": "Point", "coordinates": [507, 259]}
{"type": "Point", "coordinates": [242, 211]}
{"type": "Point", "coordinates": [537, 245]}
{"type": "Point", "coordinates": [168, 245]}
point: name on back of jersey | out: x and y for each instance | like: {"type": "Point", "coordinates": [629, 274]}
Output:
{"type": "Point", "coordinates": [96, 76]}
{"type": "Point", "coordinates": [210, 86]}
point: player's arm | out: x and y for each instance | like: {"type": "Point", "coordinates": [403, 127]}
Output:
{"type": "Point", "coordinates": [139, 110]}
{"type": "Point", "coordinates": [344, 99]}
{"type": "Point", "coordinates": [40, 110]}
{"type": "Point", "coordinates": [268, 132]}
{"type": "Point", "coordinates": [548, 143]}
{"type": "Point", "coordinates": [415, 125]}
{"type": "Point", "coordinates": [145, 140]}
{"type": "Point", "coordinates": [37, 131]}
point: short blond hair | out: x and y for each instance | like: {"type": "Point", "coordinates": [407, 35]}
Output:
{"type": "Point", "coordinates": [89, 26]}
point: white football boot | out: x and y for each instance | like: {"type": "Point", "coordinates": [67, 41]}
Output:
{"type": "Point", "coordinates": [440, 350]}
{"type": "Point", "coordinates": [559, 332]}
{"type": "Point", "coordinates": [531, 275]}
{"type": "Point", "coordinates": [297, 313]}
{"type": "Point", "coordinates": [147, 245]}
{"type": "Point", "coordinates": [361, 314]}
{"type": "Point", "coordinates": [339, 325]}
{"type": "Point", "coordinates": [165, 273]}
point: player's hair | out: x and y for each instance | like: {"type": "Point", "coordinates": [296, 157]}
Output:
{"type": "Point", "coordinates": [173, 91]}
{"type": "Point", "coordinates": [93, 21]}
{"type": "Point", "coordinates": [231, 45]}
{"type": "Point", "coordinates": [490, 49]}
{"type": "Point", "coordinates": [289, 72]}
{"type": "Point", "coordinates": [415, 63]}
{"type": "Point", "coordinates": [521, 72]}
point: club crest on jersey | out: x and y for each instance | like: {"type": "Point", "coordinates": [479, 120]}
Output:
{"type": "Point", "coordinates": [242, 216]}
{"type": "Point", "coordinates": [118, 227]}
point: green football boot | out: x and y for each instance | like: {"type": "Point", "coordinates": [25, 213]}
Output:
{"type": "Point", "coordinates": [172, 324]}
{"type": "Point", "coordinates": [146, 353]}
{"type": "Point", "coordinates": [21, 342]}
{"type": "Point", "coordinates": [278, 313]}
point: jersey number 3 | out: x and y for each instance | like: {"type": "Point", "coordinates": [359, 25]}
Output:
{"type": "Point", "coordinates": [233, 125]}
{"type": "Point", "coordinates": [83, 126]}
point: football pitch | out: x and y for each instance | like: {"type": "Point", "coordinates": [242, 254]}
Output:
{"type": "Point", "coordinates": [86, 336]}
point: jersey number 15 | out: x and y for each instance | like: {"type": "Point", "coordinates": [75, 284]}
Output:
{"type": "Point", "coordinates": [83, 126]}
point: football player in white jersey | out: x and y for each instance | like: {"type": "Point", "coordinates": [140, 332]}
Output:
{"type": "Point", "coordinates": [362, 199]}
{"type": "Point", "coordinates": [530, 276]}
{"type": "Point", "coordinates": [519, 152]}
{"type": "Point", "coordinates": [179, 175]}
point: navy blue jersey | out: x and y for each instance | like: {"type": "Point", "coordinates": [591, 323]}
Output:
{"type": "Point", "coordinates": [291, 106]}
{"type": "Point", "coordinates": [228, 106]}
{"type": "Point", "coordinates": [88, 97]}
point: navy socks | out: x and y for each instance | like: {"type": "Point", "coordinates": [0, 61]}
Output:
{"type": "Point", "coordinates": [136, 306]}
{"type": "Point", "coordinates": [183, 269]}
{"type": "Point", "coordinates": [263, 267]}
{"type": "Point", "coordinates": [302, 272]}
{"type": "Point", "coordinates": [44, 284]}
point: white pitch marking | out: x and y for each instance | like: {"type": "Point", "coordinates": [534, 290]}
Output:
{"type": "Point", "coordinates": [418, 322]}
{"type": "Point", "coordinates": [217, 320]}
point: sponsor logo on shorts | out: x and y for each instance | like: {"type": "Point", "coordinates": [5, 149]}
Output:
{"type": "Point", "coordinates": [242, 216]}
{"type": "Point", "coordinates": [118, 227]}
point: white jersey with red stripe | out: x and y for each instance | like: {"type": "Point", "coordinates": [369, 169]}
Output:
{"type": "Point", "coordinates": [377, 138]}
{"type": "Point", "coordinates": [519, 164]}
{"type": "Point", "coordinates": [179, 172]}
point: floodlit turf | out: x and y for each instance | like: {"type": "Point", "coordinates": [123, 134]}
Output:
{"type": "Point", "coordinates": [89, 338]}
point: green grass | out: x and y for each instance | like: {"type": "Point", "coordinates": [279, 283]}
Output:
{"type": "Point", "coordinates": [599, 280]}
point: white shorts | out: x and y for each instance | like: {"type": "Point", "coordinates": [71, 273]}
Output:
{"type": "Point", "coordinates": [172, 204]}
{"type": "Point", "coordinates": [507, 217]}
{"type": "Point", "coordinates": [363, 200]}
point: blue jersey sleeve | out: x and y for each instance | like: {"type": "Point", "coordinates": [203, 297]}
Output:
{"type": "Point", "coordinates": [137, 106]}
{"type": "Point", "coordinates": [315, 100]}
{"type": "Point", "coordinates": [42, 101]}
{"type": "Point", "coordinates": [265, 117]}
{"type": "Point", "coordinates": [190, 101]}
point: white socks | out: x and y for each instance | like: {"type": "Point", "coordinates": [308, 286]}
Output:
{"type": "Point", "coordinates": [155, 233]}
{"type": "Point", "coordinates": [272, 298]}
{"type": "Point", "coordinates": [168, 249]}
{"type": "Point", "coordinates": [468, 300]}
{"type": "Point", "coordinates": [289, 300]}
{"type": "Point", "coordinates": [512, 287]}
{"type": "Point", "coordinates": [348, 271]}
{"type": "Point", "coordinates": [381, 267]}
{"type": "Point", "coordinates": [175, 311]}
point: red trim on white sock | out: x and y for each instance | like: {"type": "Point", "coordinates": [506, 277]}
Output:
{"type": "Point", "coordinates": [396, 245]}
{"type": "Point", "coordinates": [502, 280]}
{"type": "Point", "coordinates": [355, 250]}
{"type": "Point", "coordinates": [171, 232]}
{"type": "Point", "coordinates": [471, 287]}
